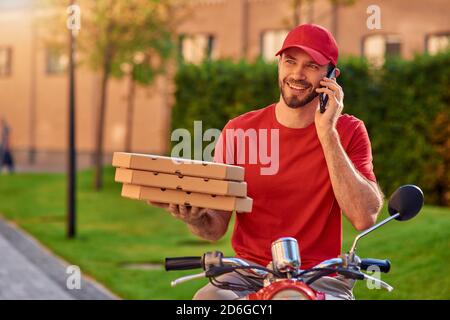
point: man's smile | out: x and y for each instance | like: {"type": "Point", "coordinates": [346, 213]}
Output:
{"type": "Point", "coordinates": [297, 88]}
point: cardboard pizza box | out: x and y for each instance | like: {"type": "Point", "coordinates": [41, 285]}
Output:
{"type": "Point", "coordinates": [187, 198]}
{"type": "Point", "coordinates": [180, 182]}
{"type": "Point", "coordinates": [179, 166]}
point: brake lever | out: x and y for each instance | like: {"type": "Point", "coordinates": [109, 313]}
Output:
{"type": "Point", "coordinates": [362, 276]}
{"type": "Point", "coordinates": [385, 285]}
{"type": "Point", "coordinates": [187, 278]}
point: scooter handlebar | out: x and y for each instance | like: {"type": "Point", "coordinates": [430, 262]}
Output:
{"type": "Point", "coordinates": [183, 263]}
{"type": "Point", "coordinates": [383, 265]}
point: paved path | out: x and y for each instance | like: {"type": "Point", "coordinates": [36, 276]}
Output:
{"type": "Point", "coordinates": [29, 271]}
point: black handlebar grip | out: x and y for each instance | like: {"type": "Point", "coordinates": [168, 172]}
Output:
{"type": "Point", "coordinates": [383, 265]}
{"type": "Point", "coordinates": [183, 263]}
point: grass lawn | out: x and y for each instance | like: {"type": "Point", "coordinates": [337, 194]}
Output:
{"type": "Point", "coordinates": [113, 231]}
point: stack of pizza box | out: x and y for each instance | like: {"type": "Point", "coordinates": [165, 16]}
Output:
{"type": "Point", "coordinates": [181, 181]}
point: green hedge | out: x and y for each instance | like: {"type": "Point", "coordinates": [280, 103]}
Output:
{"type": "Point", "coordinates": [405, 106]}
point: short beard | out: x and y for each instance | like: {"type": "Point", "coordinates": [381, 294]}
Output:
{"type": "Point", "coordinates": [294, 102]}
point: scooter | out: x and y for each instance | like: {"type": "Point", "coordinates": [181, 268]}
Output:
{"type": "Point", "coordinates": [283, 279]}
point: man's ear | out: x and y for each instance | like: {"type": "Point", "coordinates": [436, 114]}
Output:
{"type": "Point", "coordinates": [338, 72]}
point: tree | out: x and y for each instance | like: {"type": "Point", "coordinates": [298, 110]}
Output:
{"type": "Point", "coordinates": [113, 33]}
{"type": "Point", "coordinates": [142, 69]}
{"type": "Point", "coordinates": [118, 31]}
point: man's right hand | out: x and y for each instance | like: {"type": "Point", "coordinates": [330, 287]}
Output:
{"type": "Point", "coordinates": [208, 224]}
{"type": "Point", "coordinates": [188, 214]}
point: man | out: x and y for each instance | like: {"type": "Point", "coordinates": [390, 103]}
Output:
{"type": "Point", "coordinates": [325, 165]}
{"type": "Point", "coordinates": [6, 158]}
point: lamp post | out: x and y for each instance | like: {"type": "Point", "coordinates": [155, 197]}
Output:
{"type": "Point", "coordinates": [73, 24]}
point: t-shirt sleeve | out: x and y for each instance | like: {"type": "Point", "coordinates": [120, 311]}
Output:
{"type": "Point", "coordinates": [360, 152]}
{"type": "Point", "coordinates": [223, 151]}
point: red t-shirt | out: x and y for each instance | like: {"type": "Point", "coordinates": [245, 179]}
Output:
{"type": "Point", "coordinates": [298, 201]}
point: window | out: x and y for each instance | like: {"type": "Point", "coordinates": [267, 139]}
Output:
{"type": "Point", "coordinates": [5, 61]}
{"type": "Point", "coordinates": [437, 42]}
{"type": "Point", "coordinates": [196, 48]}
{"type": "Point", "coordinates": [377, 47]}
{"type": "Point", "coordinates": [271, 42]}
{"type": "Point", "coordinates": [57, 60]}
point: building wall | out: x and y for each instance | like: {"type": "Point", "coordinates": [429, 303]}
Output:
{"type": "Point", "coordinates": [47, 95]}
{"type": "Point", "coordinates": [14, 98]}
{"type": "Point", "coordinates": [237, 26]}
{"type": "Point", "coordinates": [411, 20]}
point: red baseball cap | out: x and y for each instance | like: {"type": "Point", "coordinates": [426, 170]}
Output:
{"type": "Point", "coordinates": [315, 40]}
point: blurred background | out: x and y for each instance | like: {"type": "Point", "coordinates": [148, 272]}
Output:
{"type": "Point", "coordinates": [146, 67]}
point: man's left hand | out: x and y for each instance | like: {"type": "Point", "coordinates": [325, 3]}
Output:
{"type": "Point", "coordinates": [326, 122]}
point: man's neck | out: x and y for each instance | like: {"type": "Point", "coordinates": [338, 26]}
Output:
{"type": "Point", "coordinates": [296, 117]}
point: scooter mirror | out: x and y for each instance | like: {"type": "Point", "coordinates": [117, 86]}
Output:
{"type": "Point", "coordinates": [407, 201]}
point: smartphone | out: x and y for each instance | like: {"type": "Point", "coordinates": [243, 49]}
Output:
{"type": "Point", "coordinates": [323, 97]}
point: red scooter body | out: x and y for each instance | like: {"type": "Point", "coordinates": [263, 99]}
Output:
{"type": "Point", "coordinates": [287, 289]}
